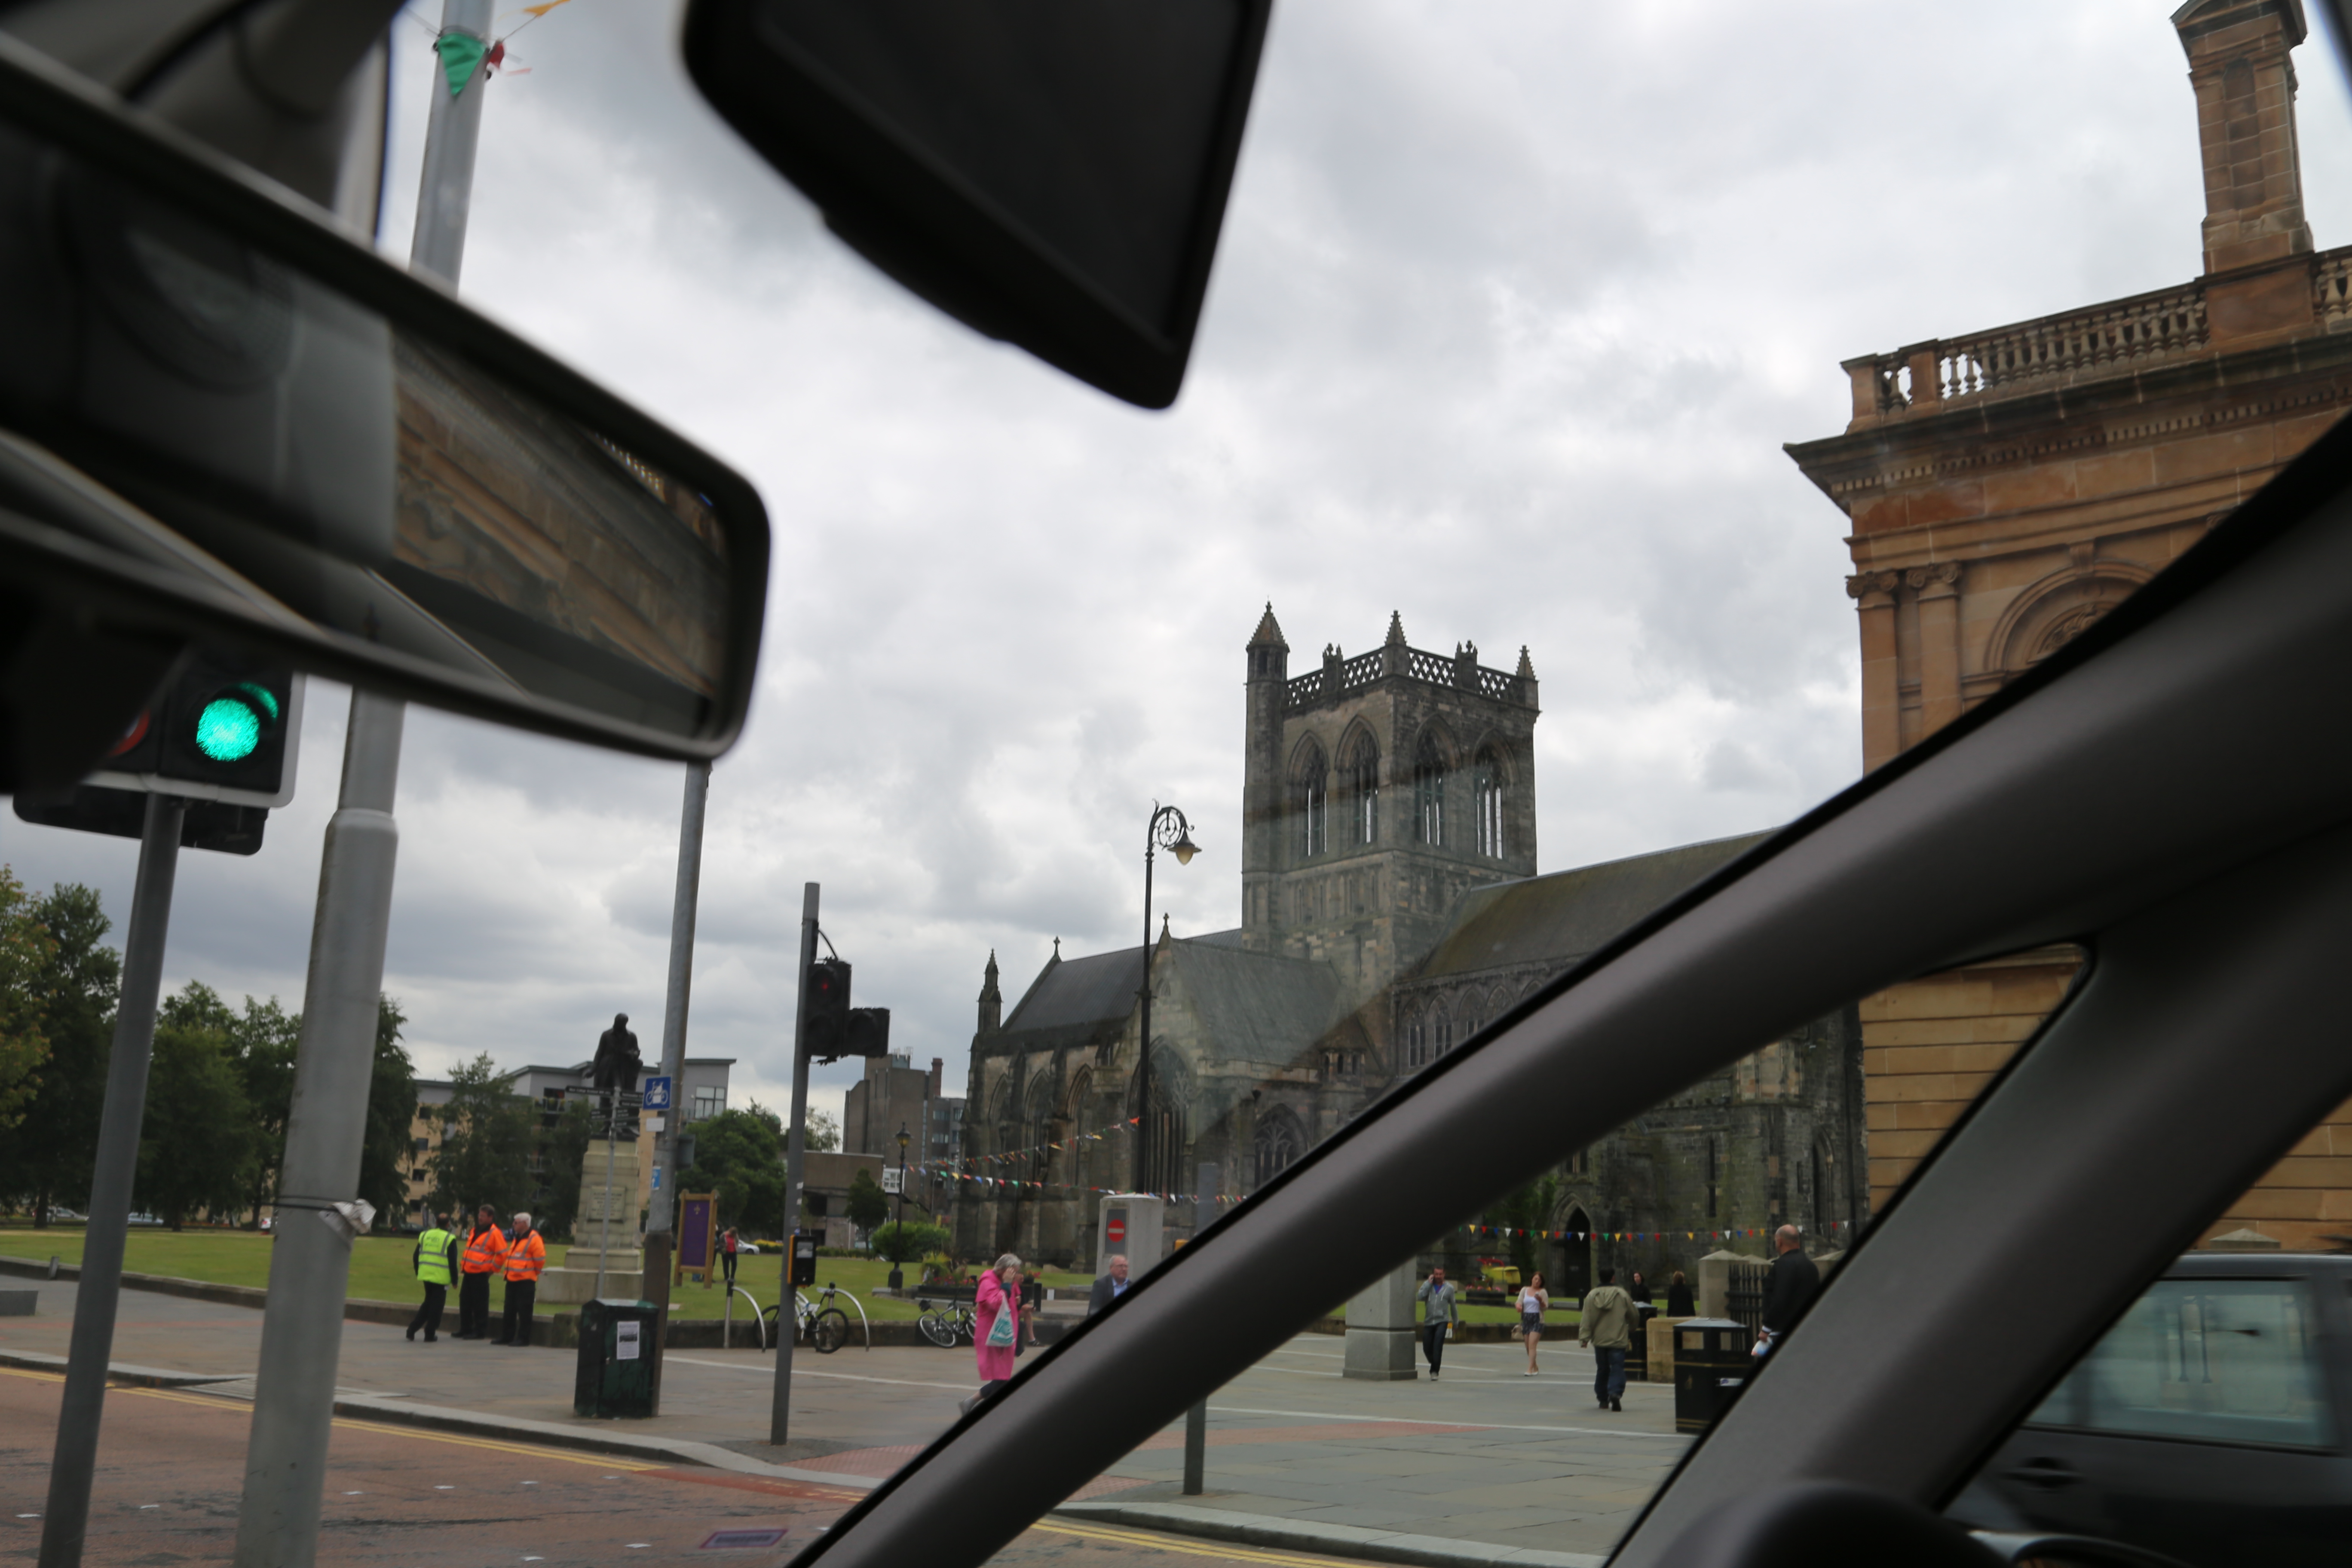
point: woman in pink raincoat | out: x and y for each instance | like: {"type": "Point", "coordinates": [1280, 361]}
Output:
{"type": "Point", "coordinates": [997, 1295]}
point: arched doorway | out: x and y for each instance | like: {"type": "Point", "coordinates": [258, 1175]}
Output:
{"type": "Point", "coordinates": [1574, 1249]}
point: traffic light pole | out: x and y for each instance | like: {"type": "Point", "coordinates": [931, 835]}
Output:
{"type": "Point", "coordinates": [66, 1521]}
{"type": "Point", "coordinates": [780, 1415]}
{"type": "Point", "coordinates": [673, 1058]}
{"type": "Point", "coordinates": [309, 1264]}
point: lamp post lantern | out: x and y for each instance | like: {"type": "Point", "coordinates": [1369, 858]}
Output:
{"type": "Point", "coordinates": [1168, 831]}
{"type": "Point", "coordinates": [898, 1273]}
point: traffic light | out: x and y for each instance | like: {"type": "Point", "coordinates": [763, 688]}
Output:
{"type": "Point", "coordinates": [222, 734]}
{"type": "Point", "coordinates": [828, 1009]}
{"type": "Point", "coordinates": [868, 1033]}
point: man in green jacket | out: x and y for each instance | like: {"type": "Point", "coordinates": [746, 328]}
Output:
{"type": "Point", "coordinates": [1606, 1323]}
{"type": "Point", "coordinates": [434, 1260]}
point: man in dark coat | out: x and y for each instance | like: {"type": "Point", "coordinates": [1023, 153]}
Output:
{"type": "Point", "coordinates": [1791, 1289]}
{"type": "Point", "coordinates": [1108, 1286]}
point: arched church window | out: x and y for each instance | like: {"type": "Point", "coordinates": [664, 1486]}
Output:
{"type": "Point", "coordinates": [1310, 803]}
{"type": "Point", "coordinates": [1429, 792]}
{"type": "Point", "coordinates": [1416, 1038]}
{"type": "Point", "coordinates": [1361, 772]}
{"type": "Point", "coordinates": [1441, 1030]}
{"type": "Point", "coordinates": [1486, 803]}
{"type": "Point", "coordinates": [1279, 1142]}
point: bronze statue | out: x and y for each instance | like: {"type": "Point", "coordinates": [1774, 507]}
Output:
{"type": "Point", "coordinates": [616, 1067]}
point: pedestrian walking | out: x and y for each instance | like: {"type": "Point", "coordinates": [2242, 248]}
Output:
{"type": "Point", "coordinates": [1606, 1323]}
{"type": "Point", "coordinates": [1533, 1300]}
{"type": "Point", "coordinates": [433, 1259]}
{"type": "Point", "coordinates": [1678, 1297]}
{"type": "Point", "coordinates": [1790, 1291]}
{"type": "Point", "coordinates": [1437, 1321]}
{"type": "Point", "coordinates": [1110, 1286]}
{"type": "Point", "coordinates": [484, 1258]}
{"type": "Point", "coordinates": [525, 1256]}
{"type": "Point", "coordinates": [727, 1245]}
{"type": "Point", "coordinates": [995, 1325]}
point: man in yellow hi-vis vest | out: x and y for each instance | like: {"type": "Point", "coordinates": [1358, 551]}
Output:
{"type": "Point", "coordinates": [435, 1258]}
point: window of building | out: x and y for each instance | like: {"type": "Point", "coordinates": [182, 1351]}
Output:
{"type": "Point", "coordinates": [1279, 1141]}
{"type": "Point", "coordinates": [1429, 792]}
{"type": "Point", "coordinates": [708, 1102]}
{"type": "Point", "coordinates": [1361, 773]}
{"type": "Point", "coordinates": [1310, 803]}
{"type": "Point", "coordinates": [1486, 803]}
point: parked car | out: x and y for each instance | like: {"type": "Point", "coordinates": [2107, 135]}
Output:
{"type": "Point", "coordinates": [2210, 1422]}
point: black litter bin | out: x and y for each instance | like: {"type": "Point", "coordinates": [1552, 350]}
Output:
{"type": "Point", "coordinates": [615, 1375]}
{"type": "Point", "coordinates": [1712, 1365]}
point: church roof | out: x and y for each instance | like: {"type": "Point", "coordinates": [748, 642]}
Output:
{"type": "Point", "coordinates": [1268, 629]}
{"type": "Point", "coordinates": [1078, 993]}
{"type": "Point", "coordinates": [1256, 1006]}
{"type": "Point", "coordinates": [1561, 917]}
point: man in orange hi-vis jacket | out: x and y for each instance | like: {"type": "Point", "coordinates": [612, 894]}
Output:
{"type": "Point", "coordinates": [485, 1257]}
{"type": "Point", "coordinates": [525, 1256]}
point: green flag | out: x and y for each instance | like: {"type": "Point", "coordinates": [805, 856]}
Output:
{"type": "Point", "coordinates": [460, 53]}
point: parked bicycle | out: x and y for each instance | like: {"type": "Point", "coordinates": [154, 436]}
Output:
{"type": "Point", "coordinates": [948, 1324]}
{"type": "Point", "coordinates": [820, 1322]}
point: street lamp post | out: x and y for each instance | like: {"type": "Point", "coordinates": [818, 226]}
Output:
{"type": "Point", "coordinates": [898, 1273]}
{"type": "Point", "coordinates": [1168, 830]}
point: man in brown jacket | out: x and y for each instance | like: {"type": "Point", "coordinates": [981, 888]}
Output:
{"type": "Point", "coordinates": [1605, 1323]}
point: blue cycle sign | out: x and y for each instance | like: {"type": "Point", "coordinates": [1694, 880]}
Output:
{"type": "Point", "coordinates": [657, 1092]}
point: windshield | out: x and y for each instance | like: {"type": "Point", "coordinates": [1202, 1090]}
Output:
{"type": "Point", "coordinates": [1605, 442]}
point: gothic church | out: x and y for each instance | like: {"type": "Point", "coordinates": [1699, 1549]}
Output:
{"type": "Point", "coordinates": [1390, 908]}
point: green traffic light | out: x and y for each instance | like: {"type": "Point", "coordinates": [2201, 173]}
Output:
{"type": "Point", "coordinates": [228, 728]}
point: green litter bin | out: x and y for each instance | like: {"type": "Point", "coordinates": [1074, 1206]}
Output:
{"type": "Point", "coordinates": [1712, 1362]}
{"type": "Point", "coordinates": [616, 1359]}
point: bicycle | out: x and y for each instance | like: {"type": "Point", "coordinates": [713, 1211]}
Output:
{"type": "Point", "coordinates": [945, 1325]}
{"type": "Point", "coordinates": [823, 1324]}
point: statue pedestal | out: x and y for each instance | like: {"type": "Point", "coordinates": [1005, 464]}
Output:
{"type": "Point", "coordinates": [606, 1233]}
{"type": "Point", "coordinates": [1381, 1329]}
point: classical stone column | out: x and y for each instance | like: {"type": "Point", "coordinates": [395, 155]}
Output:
{"type": "Point", "coordinates": [1874, 592]}
{"type": "Point", "coordinates": [1938, 590]}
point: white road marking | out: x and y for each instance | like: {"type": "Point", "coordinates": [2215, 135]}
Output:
{"type": "Point", "coordinates": [1425, 1421]}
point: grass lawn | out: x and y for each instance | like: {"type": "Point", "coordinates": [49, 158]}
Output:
{"type": "Point", "coordinates": [380, 1270]}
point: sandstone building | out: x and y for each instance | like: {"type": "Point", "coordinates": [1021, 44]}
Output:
{"type": "Point", "coordinates": [2005, 488]}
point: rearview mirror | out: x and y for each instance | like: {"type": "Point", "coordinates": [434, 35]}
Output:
{"type": "Point", "coordinates": [223, 420]}
{"type": "Point", "coordinates": [1053, 172]}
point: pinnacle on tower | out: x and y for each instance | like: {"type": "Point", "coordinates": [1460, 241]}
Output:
{"type": "Point", "coordinates": [1527, 670]}
{"type": "Point", "coordinates": [1268, 630]}
{"type": "Point", "coordinates": [988, 992]}
{"type": "Point", "coordinates": [1396, 629]}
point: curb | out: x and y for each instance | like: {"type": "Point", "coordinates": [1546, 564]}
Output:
{"type": "Point", "coordinates": [120, 1372]}
{"type": "Point", "coordinates": [1333, 1539]}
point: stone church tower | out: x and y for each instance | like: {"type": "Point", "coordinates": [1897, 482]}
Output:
{"type": "Point", "coordinates": [1377, 790]}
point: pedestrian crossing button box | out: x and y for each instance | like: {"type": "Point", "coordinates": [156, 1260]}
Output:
{"type": "Point", "coordinates": [616, 1374]}
{"type": "Point", "coordinates": [1712, 1363]}
{"type": "Point", "coordinates": [804, 1256]}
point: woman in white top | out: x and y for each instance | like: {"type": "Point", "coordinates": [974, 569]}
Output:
{"type": "Point", "coordinates": [1533, 1299]}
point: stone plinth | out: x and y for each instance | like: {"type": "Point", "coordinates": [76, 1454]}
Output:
{"type": "Point", "coordinates": [606, 1229]}
{"type": "Point", "coordinates": [1381, 1330]}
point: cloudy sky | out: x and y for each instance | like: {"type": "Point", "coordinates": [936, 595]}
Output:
{"type": "Point", "coordinates": [1515, 306]}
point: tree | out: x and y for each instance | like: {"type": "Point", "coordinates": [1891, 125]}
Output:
{"type": "Point", "coordinates": [265, 1038]}
{"type": "Point", "coordinates": [867, 1206]}
{"type": "Point", "coordinates": [384, 1154]}
{"type": "Point", "coordinates": [196, 1139]}
{"type": "Point", "coordinates": [26, 949]}
{"type": "Point", "coordinates": [1528, 1209]}
{"type": "Point", "coordinates": [740, 1156]}
{"type": "Point", "coordinates": [904, 1242]}
{"type": "Point", "coordinates": [46, 1160]}
{"type": "Point", "coordinates": [486, 1142]}
{"type": "Point", "coordinates": [822, 1133]}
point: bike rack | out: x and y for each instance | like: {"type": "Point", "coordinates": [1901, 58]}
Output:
{"type": "Point", "coordinates": [758, 1327]}
{"type": "Point", "coordinates": [861, 1315]}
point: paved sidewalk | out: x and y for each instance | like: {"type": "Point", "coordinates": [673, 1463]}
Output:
{"type": "Point", "coordinates": [1501, 1466]}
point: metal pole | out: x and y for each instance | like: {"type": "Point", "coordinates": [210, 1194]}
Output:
{"type": "Point", "coordinates": [1196, 1420]}
{"type": "Point", "coordinates": [1146, 1164]}
{"type": "Point", "coordinates": [780, 1423]}
{"type": "Point", "coordinates": [444, 198]}
{"type": "Point", "coordinates": [66, 1521]}
{"type": "Point", "coordinates": [683, 904]}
